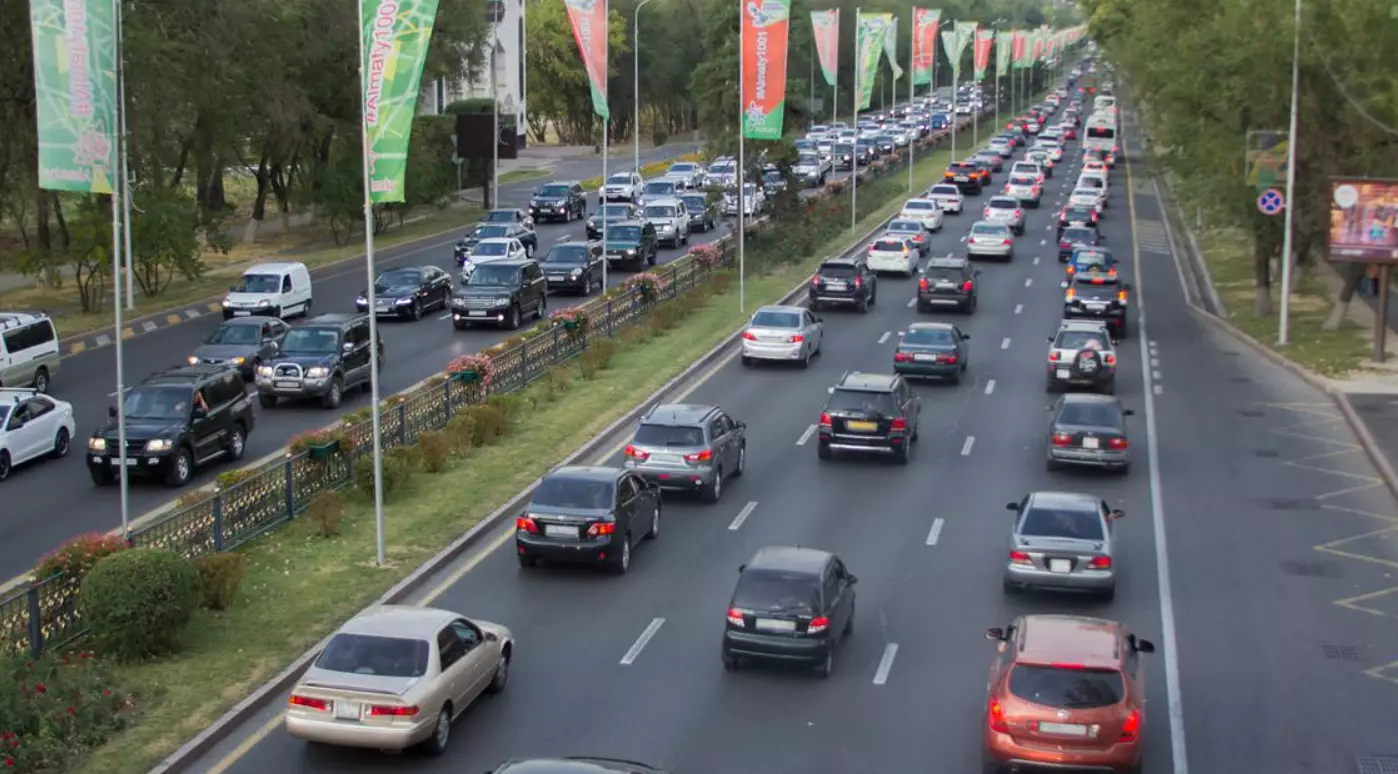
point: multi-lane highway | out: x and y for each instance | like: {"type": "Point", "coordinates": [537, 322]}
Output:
{"type": "Point", "coordinates": [1227, 504]}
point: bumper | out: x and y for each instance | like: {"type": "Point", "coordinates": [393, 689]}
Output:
{"type": "Point", "coordinates": [942, 299]}
{"type": "Point", "coordinates": [1011, 756]}
{"type": "Point", "coordinates": [386, 311]}
{"type": "Point", "coordinates": [758, 350]}
{"type": "Point", "coordinates": [584, 551]}
{"type": "Point", "coordinates": [1065, 376]}
{"type": "Point", "coordinates": [568, 284]}
{"type": "Point", "coordinates": [1013, 225]}
{"type": "Point", "coordinates": [952, 207]}
{"type": "Point", "coordinates": [617, 196]}
{"type": "Point", "coordinates": [999, 251]}
{"type": "Point", "coordinates": [698, 224]}
{"type": "Point", "coordinates": [1085, 581]}
{"type": "Point", "coordinates": [676, 478]}
{"type": "Point", "coordinates": [137, 464]}
{"type": "Point", "coordinates": [293, 389]}
{"type": "Point", "coordinates": [776, 648]}
{"type": "Point", "coordinates": [549, 213]}
{"type": "Point", "coordinates": [259, 311]}
{"type": "Point", "coordinates": [837, 298]}
{"type": "Point", "coordinates": [848, 442]}
{"type": "Point", "coordinates": [352, 734]}
{"type": "Point", "coordinates": [1113, 318]}
{"type": "Point", "coordinates": [1089, 458]}
{"type": "Point", "coordinates": [898, 264]}
{"type": "Point", "coordinates": [927, 370]}
{"type": "Point", "coordinates": [461, 317]}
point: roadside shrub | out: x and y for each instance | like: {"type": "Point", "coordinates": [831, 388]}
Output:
{"type": "Point", "coordinates": [398, 464]}
{"type": "Point", "coordinates": [707, 256]}
{"type": "Point", "coordinates": [436, 450]}
{"type": "Point", "coordinates": [635, 336]}
{"type": "Point", "coordinates": [232, 478]}
{"type": "Point", "coordinates": [461, 432]}
{"type": "Point", "coordinates": [598, 356]}
{"type": "Point", "coordinates": [75, 557]}
{"type": "Point", "coordinates": [54, 709]}
{"type": "Point", "coordinates": [510, 404]}
{"type": "Point", "coordinates": [327, 509]}
{"type": "Point", "coordinates": [557, 380]}
{"type": "Point", "coordinates": [220, 576]}
{"type": "Point", "coordinates": [665, 316]}
{"type": "Point", "coordinates": [191, 499]}
{"type": "Point", "coordinates": [488, 424]}
{"type": "Point", "coordinates": [303, 441]}
{"type": "Point", "coordinates": [137, 602]}
{"type": "Point", "coordinates": [719, 281]}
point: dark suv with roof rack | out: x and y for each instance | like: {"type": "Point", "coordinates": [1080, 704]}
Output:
{"type": "Point", "coordinates": [573, 266]}
{"type": "Point", "coordinates": [176, 421]}
{"type": "Point", "coordinates": [876, 413]}
{"type": "Point", "coordinates": [844, 282]}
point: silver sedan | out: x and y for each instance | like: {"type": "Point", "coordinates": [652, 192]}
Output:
{"type": "Point", "coordinates": [1062, 541]}
{"type": "Point", "coordinates": [990, 240]}
{"type": "Point", "coordinates": [789, 334]}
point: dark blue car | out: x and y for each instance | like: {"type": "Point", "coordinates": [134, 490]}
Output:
{"type": "Point", "coordinates": [1074, 237]}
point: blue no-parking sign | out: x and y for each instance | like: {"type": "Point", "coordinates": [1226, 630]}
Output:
{"type": "Point", "coordinates": [1271, 202]}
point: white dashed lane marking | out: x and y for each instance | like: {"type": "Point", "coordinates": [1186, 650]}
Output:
{"type": "Point", "coordinates": [1019, 308]}
{"type": "Point", "coordinates": [890, 652]}
{"type": "Point", "coordinates": [743, 516]}
{"type": "Point", "coordinates": [806, 436]}
{"type": "Point", "coordinates": [884, 338]}
{"type": "Point", "coordinates": [967, 446]}
{"type": "Point", "coordinates": [641, 642]}
{"type": "Point", "coordinates": [1028, 281]}
{"type": "Point", "coordinates": [912, 302]}
{"type": "Point", "coordinates": [990, 387]}
{"type": "Point", "coordinates": [1005, 343]}
{"type": "Point", "coordinates": [936, 533]}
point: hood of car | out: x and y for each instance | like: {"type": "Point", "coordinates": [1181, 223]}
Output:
{"type": "Point", "coordinates": [226, 351]}
{"type": "Point", "coordinates": [482, 291]}
{"type": "Point", "coordinates": [304, 360]}
{"type": "Point", "coordinates": [392, 291]}
{"type": "Point", "coordinates": [138, 429]}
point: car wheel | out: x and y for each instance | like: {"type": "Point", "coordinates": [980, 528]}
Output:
{"type": "Point", "coordinates": [730, 662]}
{"type": "Point", "coordinates": [542, 307]}
{"type": "Point", "coordinates": [849, 623]}
{"type": "Point", "coordinates": [102, 476]}
{"type": "Point", "coordinates": [4, 465]}
{"type": "Point", "coordinates": [714, 490]}
{"type": "Point", "coordinates": [621, 561]}
{"type": "Point", "coordinates": [415, 311]}
{"type": "Point", "coordinates": [824, 668]}
{"type": "Point", "coordinates": [501, 678]}
{"type": "Point", "coordinates": [61, 444]}
{"type": "Point", "coordinates": [923, 308]}
{"type": "Point", "coordinates": [41, 380]}
{"type": "Point", "coordinates": [512, 318]}
{"type": "Point", "coordinates": [900, 455]}
{"type": "Point", "coordinates": [955, 377]}
{"type": "Point", "coordinates": [527, 561]}
{"type": "Point", "coordinates": [333, 396]}
{"type": "Point", "coordinates": [747, 361]}
{"type": "Point", "coordinates": [806, 360]}
{"type": "Point", "coordinates": [277, 312]}
{"type": "Point", "coordinates": [823, 450]}
{"type": "Point", "coordinates": [862, 306]}
{"type": "Point", "coordinates": [742, 461]}
{"type": "Point", "coordinates": [237, 444]}
{"type": "Point", "coordinates": [1051, 465]}
{"type": "Point", "coordinates": [654, 531]}
{"type": "Point", "coordinates": [1109, 594]}
{"type": "Point", "coordinates": [1124, 469]}
{"type": "Point", "coordinates": [181, 470]}
{"type": "Point", "coordinates": [441, 734]}
{"type": "Point", "coordinates": [267, 401]}
{"type": "Point", "coordinates": [1009, 587]}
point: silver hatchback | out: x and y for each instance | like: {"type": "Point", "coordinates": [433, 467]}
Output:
{"type": "Point", "coordinates": [688, 447]}
{"type": "Point", "coordinates": [1005, 210]}
{"type": "Point", "coordinates": [1062, 541]}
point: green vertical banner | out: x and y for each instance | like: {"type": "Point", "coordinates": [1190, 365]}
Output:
{"type": "Point", "coordinates": [955, 41]}
{"type": "Point", "coordinates": [868, 48]}
{"type": "Point", "coordinates": [75, 90]}
{"type": "Point", "coordinates": [1004, 49]}
{"type": "Point", "coordinates": [396, 35]}
{"type": "Point", "coordinates": [890, 45]}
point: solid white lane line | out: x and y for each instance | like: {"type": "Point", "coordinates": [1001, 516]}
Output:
{"type": "Point", "coordinates": [990, 387]}
{"type": "Point", "coordinates": [1005, 343]}
{"type": "Point", "coordinates": [640, 644]}
{"type": "Point", "coordinates": [936, 533]}
{"type": "Point", "coordinates": [912, 302]}
{"type": "Point", "coordinates": [1028, 282]}
{"type": "Point", "coordinates": [884, 338]}
{"type": "Point", "coordinates": [806, 436]}
{"type": "Point", "coordinates": [890, 652]}
{"type": "Point", "coordinates": [743, 515]}
{"type": "Point", "coordinates": [1019, 308]}
{"type": "Point", "coordinates": [966, 447]}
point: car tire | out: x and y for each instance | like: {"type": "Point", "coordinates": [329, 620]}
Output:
{"type": "Point", "coordinates": [102, 476]}
{"type": "Point", "coordinates": [742, 461]}
{"type": "Point", "coordinates": [527, 562]}
{"type": "Point", "coordinates": [827, 666]}
{"type": "Point", "coordinates": [415, 311]}
{"type": "Point", "coordinates": [862, 306]}
{"type": "Point", "coordinates": [512, 319]}
{"type": "Point", "coordinates": [714, 491]}
{"type": "Point", "coordinates": [237, 443]}
{"type": "Point", "coordinates": [730, 662]}
{"type": "Point", "coordinates": [923, 308]}
{"type": "Point", "coordinates": [1052, 465]}
{"type": "Point", "coordinates": [267, 401]}
{"type": "Point", "coordinates": [441, 734]}
{"type": "Point", "coordinates": [823, 451]}
{"type": "Point", "coordinates": [1124, 470]}
{"type": "Point", "coordinates": [62, 442]}
{"type": "Point", "coordinates": [955, 378]}
{"type": "Point", "coordinates": [901, 456]}
{"type": "Point", "coordinates": [1109, 594]}
{"type": "Point", "coordinates": [542, 307]}
{"type": "Point", "coordinates": [181, 470]}
{"type": "Point", "coordinates": [41, 380]}
{"type": "Point", "coordinates": [501, 679]}
{"type": "Point", "coordinates": [1010, 589]}
{"type": "Point", "coordinates": [277, 312]}
{"type": "Point", "coordinates": [806, 360]}
{"type": "Point", "coordinates": [5, 465]}
{"type": "Point", "coordinates": [620, 562]}
{"type": "Point", "coordinates": [747, 361]}
{"type": "Point", "coordinates": [334, 396]}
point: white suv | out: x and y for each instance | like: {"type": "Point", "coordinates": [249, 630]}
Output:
{"type": "Point", "coordinates": [29, 354]}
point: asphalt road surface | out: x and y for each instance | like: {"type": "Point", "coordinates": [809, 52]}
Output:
{"type": "Point", "coordinates": [1223, 562]}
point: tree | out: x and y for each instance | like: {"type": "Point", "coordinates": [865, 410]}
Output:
{"type": "Point", "coordinates": [559, 92]}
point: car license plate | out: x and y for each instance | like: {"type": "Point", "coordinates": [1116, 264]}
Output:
{"type": "Point", "coordinates": [1090, 443]}
{"type": "Point", "coordinates": [944, 285]}
{"type": "Point", "coordinates": [925, 358]}
{"type": "Point", "coordinates": [287, 385]}
{"type": "Point", "coordinates": [1060, 565]}
{"type": "Point", "coordinates": [348, 710]}
{"type": "Point", "coordinates": [836, 286]}
{"type": "Point", "coordinates": [1063, 729]}
{"type": "Point", "coordinates": [130, 461]}
{"type": "Point", "coordinates": [962, 179]}
{"type": "Point", "coordinates": [242, 313]}
{"type": "Point", "coordinates": [862, 427]}
{"type": "Point", "coordinates": [770, 625]}
{"type": "Point", "coordinates": [1097, 307]}
{"type": "Point", "coordinates": [475, 313]}
{"type": "Point", "coordinates": [556, 531]}
{"type": "Point", "coordinates": [1063, 373]}
{"type": "Point", "coordinates": [665, 458]}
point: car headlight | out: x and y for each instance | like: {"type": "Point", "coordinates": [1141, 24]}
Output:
{"type": "Point", "coordinates": [264, 372]}
{"type": "Point", "coordinates": [192, 360]}
{"type": "Point", "coordinates": [264, 303]}
{"type": "Point", "coordinates": [158, 445]}
{"type": "Point", "coordinates": [227, 302]}
{"type": "Point", "coordinates": [317, 372]}
{"type": "Point", "coordinates": [97, 444]}
{"type": "Point", "coordinates": [592, 223]}
{"type": "Point", "coordinates": [575, 273]}
{"type": "Point", "coordinates": [361, 301]}
{"type": "Point", "coordinates": [501, 301]}
{"type": "Point", "coordinates": [403, 301]}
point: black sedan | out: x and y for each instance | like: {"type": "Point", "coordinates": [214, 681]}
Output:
{"type": "Point", "coordinates": [408, 292]}
{"type": "Point", "coordinates": [1073, 237]}
{"type": "Point", "coordinates": [242, 342]}
{"type": "Point", "coordinates": [593, 515]}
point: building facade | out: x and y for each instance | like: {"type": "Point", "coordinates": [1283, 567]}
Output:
{"type": "Point", "coordinates": [510, 80]}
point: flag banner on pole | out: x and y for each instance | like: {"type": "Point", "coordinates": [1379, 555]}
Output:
{"type": "Point", "coordinates": [868, 46]}
{"type": "Point", "coordinates": [826, 28]}
{"type": "Point", "coordinates": [890, 45]}
{"type": "Point", "coordinates": [1021, 50]}
{"type": "Point", "coordinates": [1004, 49]}
{"type": "Point", "coordinates": [766, 26]}
{"type": "Point", "coordinates": [396, 34]}
{"type": "Point", "coordinates": [955, 41]}
{"type": "Point", "coordinates": [924, 54]}
{"type": "Point", "coordinates": [984, 40]}
{"type": "Point", "coordinates": [1038, 55]}
{"type": "Point", "coordinates": [75, 89]}
{"type": "Point", "coordinates": [589, 20]}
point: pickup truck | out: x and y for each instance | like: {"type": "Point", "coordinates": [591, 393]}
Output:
{"type": "Point", "coordinates": [812, 169]}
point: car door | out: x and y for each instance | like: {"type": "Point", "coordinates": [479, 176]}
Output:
{"type": "Point", "coordinates": [357, 360]}
{"type": "Point", "coordinates": [478, 665]}
{"type": "Point", "coordinates": [838, 597]}
{"type": "Point", "coordinates": [535, 285]}
{"type": "Point", "coordinates": [42, 425]}
{"type": "Point", "coordinates": [19, 433]}
{"type": "Point", "coordinates": [438, 285]}
{"type": "Point", "coordinates": [207, 431]}
{"type": "Point", "coordinates": [626, 515]}
{"type": "Point", "coordinates": [962, 347]}
{"type": "Point", "coordinates": [721, 441]}
{"type": "Point", "coordinates": [451, 655]}
{"type": "Point", "coordinates": [681, 219]}
{"type": "Point", "coordinates": [911, 403]}
{"type": "Point", "coordinates": [647, 500]}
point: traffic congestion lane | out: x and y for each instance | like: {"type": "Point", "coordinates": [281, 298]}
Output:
{"type": "Point", "coordinates": [798, 500]}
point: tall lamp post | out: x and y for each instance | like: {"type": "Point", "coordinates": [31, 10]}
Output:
{"type": "Point", "coordinates": [1284, 317]}
{"type": "Point", "coordinates": [636, 85]}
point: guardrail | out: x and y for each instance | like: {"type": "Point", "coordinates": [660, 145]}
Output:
{"type": "Point", "coordinates": [44, 613]}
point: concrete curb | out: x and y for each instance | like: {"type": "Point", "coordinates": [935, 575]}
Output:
{"type": "Point", "coordinates": [259, 699]}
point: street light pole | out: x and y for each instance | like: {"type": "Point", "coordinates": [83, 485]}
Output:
{"type": "Point", "coordinates": [1284, 318]}
{"type": "Point", "coordinates": [636, 85]}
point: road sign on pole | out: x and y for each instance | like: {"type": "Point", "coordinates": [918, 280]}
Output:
{"type": "Point", "coordinates": [1271, 202]}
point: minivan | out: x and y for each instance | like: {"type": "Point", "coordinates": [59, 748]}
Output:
{"type": "Point", "coordinates": [28, 350]}
{"type": "Point", "coordinates": [270, 289]}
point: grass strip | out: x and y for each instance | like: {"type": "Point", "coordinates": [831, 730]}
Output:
{"type": "Point", "coordinates": [300, 586]}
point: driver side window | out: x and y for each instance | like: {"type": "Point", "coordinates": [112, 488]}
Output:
{"type": "Point", "coordinates": [467, 634]}
{"type": "Point", "coordinates": [18, 417]}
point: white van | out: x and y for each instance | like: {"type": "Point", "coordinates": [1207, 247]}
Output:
{"type": "Point", "coordinates": [270, 289]}
{"type": "Point", "coordinates": [28, 350]}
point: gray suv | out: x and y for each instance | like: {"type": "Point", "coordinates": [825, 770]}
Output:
{"type": "Point", "coordinates": [688, 448]}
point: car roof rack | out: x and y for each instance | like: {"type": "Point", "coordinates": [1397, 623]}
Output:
{"type": "Point", "coordinates": [18, 319]}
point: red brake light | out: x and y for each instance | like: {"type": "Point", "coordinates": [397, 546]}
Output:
{"type": "Point", "coordinates": [795, 339]}
{"type": "Point", "coordinates": [636, 454]}
{"type": "Point", "coordinates": [815, 279]}
{"type": "Point", "coordinates": [390, 711]}
{"type": "Point", "coordinates": [1054, 356]}
{"type": "Point", "coordinates": [818, 625]}
{"type": "Point", "coordinates": [1019, 213]}
{"type": "Point", "coordinates": [702, 456]}
{"type": "Point", "coordinates": [1109, 359]}
{"type": "Point", "coordinates": [1100, 563]}
{"type": "Point", "coordinates": [898, 424]}
{"type": "Point", "coordinates": [1020, 557]}
{"type": "Point", "coordinates": [598, 529]}
{"type": "Point", "coordinates": [825, 420]}
{"type": "Point", "coordinates": [1062, 439]}
{"type": "Point", "coordinates": [1132, 727]}
{"type": "Point", "coordinates": [996, 718]}
{"type": "Point", "coordinates": [526, 524]}
{"type": "Point", "coordinates": [859, 282]}
{"type": "Point", "coordinates": [1118, 443]}
{"type": "Point", "coordinates": [922, 284]}
{"type": "Point", "coordinates": [735, 617]}
{"type": "Point", "coordinates": [946, 358]}
{"type": "Point", "coordinates": [319, 705]}
{"type": "Point", "coordinates": [902, 357]}
{"type": "Point", "coordinates": [1065, 246]}
{"type": "Point", "coordinates": [966, 286]}
{"type": "Point", "coordinates": [748, 336]}
{"type": "Point", "coordinates": [1068, 666]}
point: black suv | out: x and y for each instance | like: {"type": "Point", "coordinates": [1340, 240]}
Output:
{"type": "Point", "coordinates": [322, 359]}
{"type": "Point", "coordinates": [560, 200]}
{"type": "Point", "coordinates": [844, 282]}
{"type": "Point", "coordinates": [500, 293]}
{"type": "Point", "coordinates": [575, 267]}
{"type": "Point", "coordinates": [588, 514]}
{"type": "Point", "coordinates": [948, 282]}
{"type": "Point", "coordinates": [790, 605]}
{"type": "Point", "coordinates": [175, 421]}
{"type": "Point", "coordinates": [632, 242]}
{"type": "Point", "coordinates": [870, 413]}
{"type": "Point", "coordinates": [1098, 298]}
{"type": "Point", "coordinates": [703, 214]}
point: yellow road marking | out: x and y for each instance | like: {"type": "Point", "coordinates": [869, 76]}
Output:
{"type": "Point", "coordinates": [173, 319]}
{"type": "Point", "coordinates": [128, 333]}
{"type": "Point", "coordinates": [215, 307]}
{"type": "Point", "coordinates": [76, 347]}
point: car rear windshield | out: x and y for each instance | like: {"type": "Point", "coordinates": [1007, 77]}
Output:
{"type": "Point", "coordinates": [490, 232]}
{"type": "Point", "coordinates": [762, 590]}
{"type": "Point", "coordinates": [660, 187]}
{"type": "Point", "coordinates": [1089, 291]}
{"type": "Point", "coordinates": [616, 211]}
{"type": "Point", "coordinates": [889, 245]}
{"type": "Point", "coordinates": [919, 205]}
{"type": "Point", "coordinates": [1003, 204]}
{"type": "Point", "coordinates": [905, 226]}
{"type": "Point", "coordinates": [660, 212]}
{"type": "Point", "coordinates": [364, 654]}
{"type": "Point", "coordinates": [863, 401]}
{"type": "Point", "coordinates": [775, 319]}
{"type": "Point", "coordinates": [929, 337]}
{"type": "Point", "coordinates": [1022, 180]}
{"type": "Point", "coordinates": [619, 180]}
{"type": "Point", "coordinates": [1089, 415]}
{"type": "Point", "coordinates": [1068, 689]}
{"type": "Point", "coordinates": [987, 230]}
{"type": "Point", "coordinates": [563, 492]}
{"type": "Point", "coordinates": [697, 203]}
{"type": "Point", "coordinates": [668, 435]}
{"type": "Point", "coordinates": [1073, 523]}
{"type": "Point", "coordinates": [840, 272]}
{"type": "Point", "coordinates": [945, 190]}
{"type": "Point", "coordinates": [1079, 235]}
{"type": "Point", "coordinates": [1081, 340]}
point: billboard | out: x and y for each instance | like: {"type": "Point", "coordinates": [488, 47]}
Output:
{"type": "Point", "coordinates": [1364, 221]}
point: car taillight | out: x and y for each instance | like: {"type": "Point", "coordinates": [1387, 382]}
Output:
{"type": "Point", "coordinates": [1054, 356]}
{"type": "Point", "coordinates": [818, 625]}
{"type": "Point", "coordinates": [1118, 443]}
{"type": "Point", "coordinates": [735, 617]}
{"type": "Point", "coordinates": [1062, 439]}
{"type": "Point", "coordinates": [815, 279]}
{"type": "Point", "coordinates": [1109, 359]}
{"type": "Point", "coordinates": [996, 716]}
{"type": "Point", "coordinates": [1070, 295]}
{"type": "Point", "coordinates": [1100, 563]}
{"type": "Point", "coordinates": [825, 420]}
{"type": "Point", "coordinates": [1121, 296]}
{"type": "Point", "coordinates": [902, 357]}
{"type": "Point", "coordinates": [1020, 557]}
{"type": "Point", "coordinates": [392, 711]}
{"type": "Point", "coordinates": [1007, 241]}
{"type": "Point", "coordinates": [1065, 246]}
{"type": "Point", "coordinates": [966, 286]}
{"type": "Point", "coordinates": [859, 282]}
{"type": "Point", "coordinates": [526, 524]}
{"type": "Point", "coordinates": [701, 456]}
{"type": "Point", "coordinates": [899, 423]}
{"type": "Point", "coordinates": [748, 336]}
{"type": "Point", "coordinates": [636, 454]}
{"type": "Point", "coordinates": [600, 528]}
{"type": "Point", "coordinates": [1019, 213]}
{"type": "Point", "coordinates": [922, 284]}
{"type": "Point", "coordinates": [1132, 727]}
{"type": "Point", "coordinates": [306, 702]}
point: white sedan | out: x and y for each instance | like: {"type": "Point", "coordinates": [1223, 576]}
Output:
{"type": "Point", "coordinates": [926, 211]}
{"type": "Point", "coordinates": [1088, 197]}
{"type": "Point", "coordinates": [32, 426]}
{"type": "Point", "coordinates": [948, 197]}
{"type": "Point", "coordinates": [893, 253]}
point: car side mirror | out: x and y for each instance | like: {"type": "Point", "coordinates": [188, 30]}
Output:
{"type": "Point", "coordinates": [1116, 513]}
{"type": "Point", "coordinates": [198, 413]}
{"type": "Point", "coordinates": [741, 425]}
{"type": "Point", "coordinates": [1012, 507]}
{"type": "Point", "coordinates": [965, 337]}
{"type": "Point", "coordinates": [1049, 339]}
{"type": "Point", "coordinates": [348, 347]}
{"type": "Point", "coordinates": [491, 636]}
{"type": "Point", "coordinates": [820, 319]}
{"type": "Point", "coordinates": [232, 288]}
{"type": "Point", "coordinates": [1142, 646]}
{"type": "Point", "coordinates": [112, 412]}
{"type": "Point", "coordinates": [1128, 413]}
{"type": "Point", "coordinates": [742, 567]}
{"type": "Point", "coordinates": [977, 273]}
{"type": "Point", "coordinates": [995, 634]}
{"type": "Point", "coordinates": [853, 579]}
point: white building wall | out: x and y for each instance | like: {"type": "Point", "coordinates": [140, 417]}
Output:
{"type": "Point", "coordinates": [510, 80]}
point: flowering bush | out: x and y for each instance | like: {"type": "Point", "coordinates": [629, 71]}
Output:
{"type": "Point", "coordinates": [56, 708]}
{"type": "Point", "coordinates": [648, 284]}
{"type": "Point", "coordinates": [574, 318]}
{"type": "Point", "coordinates": [708, 256]}
{"type": "Point", "coordinates": [75, 557]}
{"type": "Point", "coordinates": [482, 367]}
{"type": "Point", "coordinates": [303, 441]}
